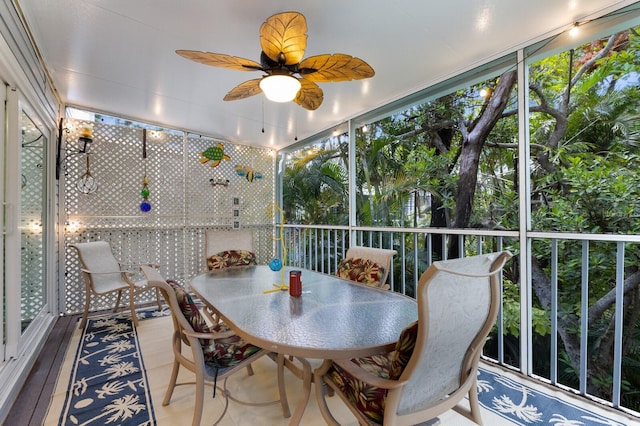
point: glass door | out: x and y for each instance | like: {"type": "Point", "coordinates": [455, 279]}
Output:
{"type": "Point", "coordinates": [33, 294]}
{"type": "Point", "coordinates": [25, 193]}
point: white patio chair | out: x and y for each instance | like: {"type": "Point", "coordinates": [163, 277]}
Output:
{"type": "Point", "coordinates": [103, 274]}
{"type": "Point", "coordinates": [435, 361]}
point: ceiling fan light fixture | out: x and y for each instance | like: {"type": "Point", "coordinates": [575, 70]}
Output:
{"type": "Point", "coordinates": [283, 39]}
{"type": "Point", "coordinates": [280, 88]}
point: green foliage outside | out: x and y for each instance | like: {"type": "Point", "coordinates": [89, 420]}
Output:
{"type": "Point", "coordinates": [452, 162]}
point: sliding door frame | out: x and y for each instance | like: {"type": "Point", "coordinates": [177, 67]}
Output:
{"type": "Point", "coordinates": [22, 348]}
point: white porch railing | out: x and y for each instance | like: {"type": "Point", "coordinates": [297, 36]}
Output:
{"type": "Point", "coordinates": [321, 248]}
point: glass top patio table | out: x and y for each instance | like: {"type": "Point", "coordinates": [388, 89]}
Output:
{"type": "Point", "coordinates": [333, 318]}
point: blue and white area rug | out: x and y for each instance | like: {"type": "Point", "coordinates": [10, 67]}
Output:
{"type": "Point", "coordinates": [105, 381]}
{"type": "Point", "coordinates": [108, 383]}
{"type": "Point", "coordinates": [524, 405]}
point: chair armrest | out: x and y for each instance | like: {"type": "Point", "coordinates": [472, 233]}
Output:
{"type": "Point", "coordinates": [89, 271]}
{"type": "Point", "coordinates": [137, 265]}
{"type": "Point", "coordinates": [212, 336]}
{"type": "Point", "coordinates": [367, 377]}
{"type": "Point", "coordinates": [210, 315]}
{"type": "Point", "coordinates": [131, 273]}
{"type": "Point", "coordinates": [124, 274]}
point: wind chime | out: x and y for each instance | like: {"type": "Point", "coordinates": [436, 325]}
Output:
{"type": "Point", "coordinates": [145, 206]}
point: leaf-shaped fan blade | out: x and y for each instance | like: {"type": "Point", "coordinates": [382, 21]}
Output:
{"type": "Point", "coordinates": [336, 67]}
{"type": "Point", "coordinates": [244, 90]}
{"type": "Point", "coordinates": [220, 60]}
{"type": "Point", "coordinates": [309, 96]}
{"type": "Point", "coordinates": [284, 33]}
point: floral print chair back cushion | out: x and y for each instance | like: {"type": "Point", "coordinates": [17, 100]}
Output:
{"type": "Point", "coordinates": [225, 249]}
{"type": "Point", "coordinates": [373, 273]}
{"type": "Point", "coordinates": [230, 258]}
{"type": "Point", "coordinates": [221, 352]}
{"type": "Point", "coordinates": [389, 365]}
{"type": "Point", "coordinates": [360, 270]}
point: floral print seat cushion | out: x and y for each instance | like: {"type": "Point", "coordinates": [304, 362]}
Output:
{"type": "Point", "coordinates": [229, 258]}
{"type": "Point", "coordinates": [221, 353]}
{"type": "Point", "coordinates": [361, 270]}
{"type": "Point", "coordinates": [370, 399]}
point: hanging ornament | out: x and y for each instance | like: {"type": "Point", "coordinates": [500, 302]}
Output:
{"type": "Point", "coordinates": [275, 264]}
{"type": "Point", "coordinates": [214, 154]}
{"type": "Point", "coordinates": [87, 184]}
{"type": "Point", "coordinates": [145, 206]}
{"type": "Point", "coordinates": [248, 172]}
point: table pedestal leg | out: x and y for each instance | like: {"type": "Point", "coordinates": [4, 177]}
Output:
{"type": "Point", "coordinates": [306, 376]}
{"type": "Point", "coordinates": [281, 386]}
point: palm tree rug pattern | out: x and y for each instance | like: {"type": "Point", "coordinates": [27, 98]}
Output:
{"type": "Point", "coordinates": [108, 382]}
{"type": "Point", "coordinates": [525, 405]}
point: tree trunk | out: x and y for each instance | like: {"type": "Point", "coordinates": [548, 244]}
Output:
{"type": "Point", "coordinates": [471, 149]}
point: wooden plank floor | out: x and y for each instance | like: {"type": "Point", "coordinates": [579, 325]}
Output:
{"type": "Point", "coordinates": [31, 405]}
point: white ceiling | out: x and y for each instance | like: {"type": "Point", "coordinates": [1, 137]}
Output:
{"type": "Point", "coordinates": [118, 56]}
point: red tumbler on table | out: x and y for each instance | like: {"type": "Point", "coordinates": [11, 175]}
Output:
{"type": "Point", "coordinates": [295, 283]}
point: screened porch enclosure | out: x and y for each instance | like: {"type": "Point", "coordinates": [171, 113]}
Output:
{"type": "Point", "coordinates": [515, 341]}
{"type": "Point", "coordinates": [536, 153]}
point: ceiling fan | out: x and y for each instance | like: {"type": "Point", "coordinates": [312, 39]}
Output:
{"type": "Point", "coordinates": [283, 39]}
